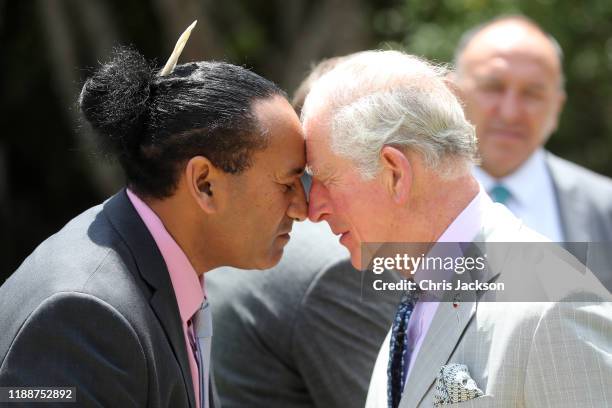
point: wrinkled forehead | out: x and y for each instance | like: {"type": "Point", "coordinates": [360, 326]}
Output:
{"type": "Point", "coordinates": [319, 154]}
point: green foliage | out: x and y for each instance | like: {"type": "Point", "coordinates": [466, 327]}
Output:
{"type": "Point", "coordinates": [584, 30]}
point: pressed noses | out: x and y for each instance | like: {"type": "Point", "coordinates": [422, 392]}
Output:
{"type": "Point", "coordinates": [318, 206]}
{"type": "Point", "coordinates": [298, 207]}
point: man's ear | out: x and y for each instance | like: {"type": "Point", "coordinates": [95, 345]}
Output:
{"type": "Point", "coordinates": [560, 103]}
{"type": "Point", "coordinates": [200, 177]}
{"type": "Point", "coordinates": [397, 173]}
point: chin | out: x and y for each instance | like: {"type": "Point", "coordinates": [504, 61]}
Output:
{"type": "Point", "coordinates": [270, 260]}
{"type": "Point", "coordinates": [356, 260]}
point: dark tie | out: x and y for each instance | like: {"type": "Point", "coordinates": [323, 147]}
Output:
{"type": "Point", "coordinates": [399, 350]}
{"type": "Point", "coordinates": [500, 194]}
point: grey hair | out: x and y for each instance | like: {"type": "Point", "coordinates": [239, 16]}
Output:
{"type": "Point", "coordinates": [388, 98]}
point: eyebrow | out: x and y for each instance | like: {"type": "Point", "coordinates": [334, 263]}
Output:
{"type": "Point", "coordinates": [494, 78]}
{"type": "Point", "coordinates": [317, 173]}
{"type": "Point", "coordinates": [298, 171]}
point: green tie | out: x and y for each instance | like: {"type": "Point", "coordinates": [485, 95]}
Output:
{"type": "Point", "coordinates": [500, 194]}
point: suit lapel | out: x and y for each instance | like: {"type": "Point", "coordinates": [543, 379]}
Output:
{"type": "Point", "coordinates": [152, 269]}
{"type": "Point", "coordinates": [446, 329]}
{"type": "Point", "coordinates": [572, 208]}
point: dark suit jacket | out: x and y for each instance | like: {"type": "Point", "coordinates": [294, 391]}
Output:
{"type": "Point", "coordinates": [93, 308]}
{"type": "Point", "coordinates": [585, 207]}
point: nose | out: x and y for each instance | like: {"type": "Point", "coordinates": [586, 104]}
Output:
{"type": "Point", "coordinates": [510, 106]}
{"type": "Point", "coordinates": [298, 207]}
{"type": "Point", "coordinates": [319, 204]}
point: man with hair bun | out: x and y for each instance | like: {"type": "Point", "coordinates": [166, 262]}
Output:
{"type": "Point", "coordinates": [115, 303]}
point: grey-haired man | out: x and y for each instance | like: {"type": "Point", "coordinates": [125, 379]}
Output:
{"type": "Point", "coordinates": [391, 153]}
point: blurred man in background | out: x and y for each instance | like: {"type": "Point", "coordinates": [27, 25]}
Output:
{"type": "Point", "coordinates": [509, 74]}
{"type": "Point", "coordinates": [305, 333]}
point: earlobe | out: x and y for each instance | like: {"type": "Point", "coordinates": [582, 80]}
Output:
{"type": "Point", "coordinates": [199, 176]}
{"type": "Point", "coordinates": [397, 174]}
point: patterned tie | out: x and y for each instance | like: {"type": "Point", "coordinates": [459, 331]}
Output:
{"type": "Point", "coordinates": [203, 334]}
{"type": "Point", "coordinates": [500, 194]}
{"type": "Point", "coordinates": [193, 342]}
{"type": "Point", "coordinates": [398, 349]}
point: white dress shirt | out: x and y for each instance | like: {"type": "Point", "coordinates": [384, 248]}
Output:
{"type": "Point", "coordinates": [533, 198]}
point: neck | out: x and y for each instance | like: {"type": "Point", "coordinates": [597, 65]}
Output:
{"type": "Point", "coordinates": [437, 204]}
{"type": "Point", "coordinates": [178, 220]}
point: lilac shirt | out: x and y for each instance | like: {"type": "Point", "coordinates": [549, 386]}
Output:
{"type": "Point", "coordinates": [463, 229]}
{"type": "Point", "coordinates": [188, 290]}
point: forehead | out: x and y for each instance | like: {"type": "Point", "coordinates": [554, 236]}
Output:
{"type": "Point", "coordinates": [513, 47]}
{"type": "Point", "coordinates": [317, 132]}
{"type": "Point", "coordinates": [277, 119]}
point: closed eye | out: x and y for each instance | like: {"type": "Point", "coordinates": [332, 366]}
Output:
{"type": "Point", "coordinates": [290, 187]}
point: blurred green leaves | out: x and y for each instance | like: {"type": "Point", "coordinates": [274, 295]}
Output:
{"type": "Point", "coordinates": [584, 30]}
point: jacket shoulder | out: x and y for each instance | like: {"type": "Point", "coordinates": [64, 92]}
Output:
{"type": "Point", "coordinates": [85, 256]}
{"type": "Point", "coordinates": [76, 338]}
{"type": "Point", "coordinates": [567, 174]}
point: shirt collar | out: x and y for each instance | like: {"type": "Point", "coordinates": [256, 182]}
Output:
{"type": "Point", "coordinates": [188, 288]}
{"type": "Point", "coordinates": [523, 183]}
{"type": "Point", "coordinates": [468, 223]}
{"type": "Point", "coordinates": [528, 179]}
{"type": "Point", "coordinates": [464, 228]}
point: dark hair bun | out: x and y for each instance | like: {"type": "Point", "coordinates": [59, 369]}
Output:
{"type": "Point", "coordinates": [114, 99]}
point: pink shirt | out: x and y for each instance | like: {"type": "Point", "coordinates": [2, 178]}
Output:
{"type": "Point", "coordinates": [463, 229]}
{"type": "Point", "coordinates": [188, 289]}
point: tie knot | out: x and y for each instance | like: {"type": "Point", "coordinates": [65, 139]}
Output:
{"type": "Point", "coordinates": [500, 194]}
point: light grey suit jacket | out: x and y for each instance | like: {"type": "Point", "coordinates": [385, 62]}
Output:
{"type": "Point", "coordinates": [585, 207]}
{"type": "Point", "coordinates": [555, 353]}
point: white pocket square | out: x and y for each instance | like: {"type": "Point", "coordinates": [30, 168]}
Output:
{"type": "Point", "coordinates": [454, 384]}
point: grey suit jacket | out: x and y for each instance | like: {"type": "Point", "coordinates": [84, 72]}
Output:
{"type": "Point", "coordinates": [303, 334]}
{"type": "Point", "coordinates": [585, 207]}
{"type": "Point", "coordinates": [93, 308]}
{"type": "Point", "coordinates": [555, 352]}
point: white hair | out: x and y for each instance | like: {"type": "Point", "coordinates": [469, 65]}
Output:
{"type": "Point", "coordinates": [380, 98]}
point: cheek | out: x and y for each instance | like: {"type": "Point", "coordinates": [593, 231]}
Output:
{"type": "Point", "coordinates": [543, 118]}
{"type": "Point", "coordinates": [341, 202]}
{"type": "Point", "coordinates": [274, 207]}
{"type": "Point", "coordinates": [357, 204]}
{"type": "Point", "coordinates": [483, 105]}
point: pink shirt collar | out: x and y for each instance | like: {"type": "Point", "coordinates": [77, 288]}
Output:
{"type": "Point", "coordinates": [188, 289]}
